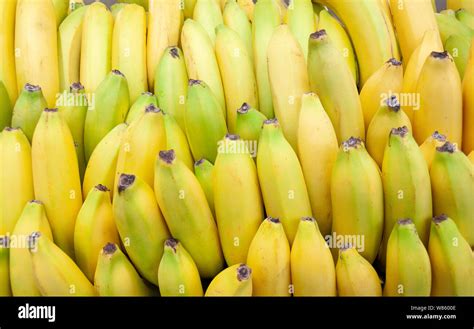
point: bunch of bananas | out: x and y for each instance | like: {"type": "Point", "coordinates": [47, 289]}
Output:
{"type": "Point", "coordinates": [236, 148]}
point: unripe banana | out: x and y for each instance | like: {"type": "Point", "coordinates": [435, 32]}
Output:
{"type": "Point", "coordinates": [116, 8]}
{"type": "Point", "coordinates": [428, 148]}
{"type": "Point", "coordinates": [176, 140]}
{"type": "Point", "coordinates": [235, 17]}
{"type": "Point", "coordinates": [138, 107]}
{"type": "Point", "coordinates": [28, 109]}
{"type": "Point", "coordinates": [265, 20]}
{"type": "Point", "coordinates": [7, 50]}
{"type": "Point", "coordinates": [388, 116]}
{"type": "Point", "coordinates": [451, 259]}
{"type": "Point", "coordinates": [6, 108]}
{"type": "Point", "coordinates": [288, 80]}
{"type": "Point", "coordinates": [355, 275]}
{"type": "Point", "coordinates": [408, 270]}
{"type": "Point", "coordinates": [269, 259]}
{"type": "Point", "coordinates": [281, 179]}
{"type": "Point", "coordinates": [331, 79]}
{"type": "Point", "coordinates": [171, 84]}
{"type": "Point", "coordinates": [301, 21]}
{"type": "Point", "coordinates": [452, 185]}
{"type": "Point", "coordinates": [317, 150]}
{"type": "Point", "coordinates": [140, 225]}
{"type": "Point", "coordinates": [5, 289]}
{"type": "Point", "coordinates": [109, 108]}
{"type": "Point", "coordinates": [238, 217]}
{"type": "Point", "coordinates": [75, 4]}
{"type": "Point", "coordinates": [235, 281]}
{"type": "Point", "coordinates": [16, 180]}
{"type": "Point", "coordinates": [60, 9]}
{"type": "Point", "coordinates": [448, 25]}
{"type": "Point", "coordinates": [205, 123]}
{"type": "Point", "coordinates": [248, 6]}
{"type": "Point", "coordinates": [129, 48]}
{"type": "Point", "coordinates": [464, 16]}
{"type": "Point", "coordinates": [36, 49]}
{"type": "Point", "coordinates": [96, 46]}
{"type": "Point", "coordinates": [249, 123]}
{"type": "Point", "coordinates": [178, 274]}
{"type": "Point", "coordinates": [468, 104]}
{"type": "Point", "coordinates": [116, 276]}
{"type": "Point", "coordinates": [385, 82]}
{"type": "Point", "coordinates": [457, 4]}
{"type": "Point", "coordinates": [203, 170]}
{"type": "Point", "coordinates": [209, 15]}
{"type": "Point", "coordinates": [458, 47]}
{"type": "Point", "coordinates": [312, 266]}
{"type": "Point", "coordinates": [357, 197]}
{"type": "Point", "coordinates": [237, 73]}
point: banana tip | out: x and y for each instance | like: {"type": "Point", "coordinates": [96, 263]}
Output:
{"type": "Point", "coordinates": [243, 272]}
{"type": "Point", "coordinates": [152, 108]}
{"type": "Point", "coordinates": [102, 188]}
{"type": "Point", "coordinates": [321, 34]}
{"type": "Point", "coordinates": [31, 88]}
{"type": "Point", "coordinates": [174, 52]}
{"type": "Point", "coordinates": [243, 109]}
{"type": "Point", "coordinates": [76, 87]}
{"type": "Point", "coordinates": [400, 131]}
{"type": "Point", "coordinates": [393, 104]}
{"type": "Point", "coordinates": [52, 110]}
{"type": "Point", "coordinates": [109, 249]}
{"type": "Point", "coordinates": [405, 221]}
{"type": "Point", "coordinates": [125, 180]}
{"type": "Point", "coordinates": [232, 137]}
{"type": "Point", "coordinates": [440, 218]}
{"type": "Point", "coordinates": [167, 156]}
{"type": "Point", "coordinates": [274, 220]}
{"type": "Point", "coordinates": [172, 243]}
{"type": "Point", "coordinates": [447, 147]}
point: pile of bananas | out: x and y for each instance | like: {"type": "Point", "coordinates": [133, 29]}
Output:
{"type": "Point", "coordinates": [236, 148]}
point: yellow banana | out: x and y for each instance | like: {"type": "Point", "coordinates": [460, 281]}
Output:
{"type": "Point", "coordinates": [269, 259]}
{"type": "Point", "coordinates": [176, 140]}
{"type": "Point", "coordinates": [6, 108]}
{"type": "Point", "coordinates": [428, 148]}
{"type": "Point", "coordinates": [138, 107]}
{"type": "Point", "coordinates": [235, 18]}
{"type": "Point", "coordinates": [457, 4]}
{"type": "Point", "coordinates": [235, 281]}
{"type": "Point", "coordinates": [248, 6]}
{"type": "Point", "coordinates": [301, 21]}
{"type": "Point", "coordinates": [116, 8]}
{"type": "Point", "coordinates": [60, 9]}
{"type": "Point", "coordinates": [142, 3]}
{"type": "Point", "coordinates": [5, 289]}
{"type": "Point", "coordinates": [188, 8]}
{"type": "Point", "coordinates": [468, 104]}
{"type": "Point", "coordinates": [249, 123]}
{"type": "Point", "coordinates": [74, 4]}
{"type": "Point", "coordinates": [209, 15]}
{"type": "Point", "coordinates": [471, 157]}
{"type": "Point", "coordinates": [203, 170]}
{"type": "Point", "coordinates": [7, 51]}
{"type": "Point", "coordinates": [312, 267]}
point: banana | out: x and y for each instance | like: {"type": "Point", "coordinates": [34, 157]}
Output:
{"type": "Point", "coordinates": [366, 20]}
{"type": "Point", "coordinates": [16, 180]}
{"type": "Point", "coordinates": [238, 217]}
{"type": "Point", "coordinates": [448, 25]}
{"type": "Point", "coordinates": [288, 80]}
{"type": "Point", "coordinates": [249, 123]}
{"type": "Point", "coordinates": [451, 259]}
{"type": "Point", "coordinates": [176, 140]}
{"type": "Point", "coordinates": [164, 27]}
{"type": "Point", "coordinates": [301, 21]}
{"type": "Point", "coordinates": [7, 51]}
{"type": "Point", "coordinates": [5, 289]}
{"type": "Point", "coordinates": [471, 157]}
{"type": "Point", "coordinates": [75, 4]}
{"type": "Point", "coordinates": [140, 225]}
{"type": "Point", "coordinates": [430, 42]}
{"type": "Point", "coordinates": [428, 148]}
{"type": "Point", "coordinates": [187, 213]}
{"type": "Point", "coordinates": [458, 48]}
{"type": "Point", "coordinates": [129, 48]}
{"type": "Point", "coordinates": [188, 8]}
{"type": "Point", "coordinates": [312, 267]}
{"type": "Point", "coordinates": [457, 4]}
{"type": "Point", "coordinates": [269, 259]}
{"type": "Point", "coordinates": [141, 143]}
{"type": "Point", "coordinates": [116, 276]}
{"type": "Point", "coordinates": [55, 272]}
{"type": "Point", "coordinates": [96, 46]}
{"type": "Point", "coordinates": [388, 116]}
{"type": "Point", "coordinates": [60, 9]}
{"type": "Point", "coordinates": [28, 109]}
{"type": "Point", "coordinates": [411, 19]}
{"type": "Point", "coordinates": [385, 82]}
{"type": "Point", "coordinates": [331, 79]}
{"type": "Point", "coordinates": [317, 150]}
{"type": "Point", "coordinates": [205, 125]}
{"type": "Point", "coordinates": [237, 73]}
{"type": "Point", "coordinates": [73, 108]}
{"type": "Point", "coordinates": [408, 270]}
{"type": "Point", "coordinates": [36, 49]}
{"type": "Point", "coordinates": [69, 48]}
{"type": "Point", "coordinates": [235, 281]}
{"type": "Point", "coordinates": [209, 15]}
{"type": "Point", "coordinates": [178, 274]}
{"type": "Point", "coordinates": [103, 161]}
{"type": "Point", "coordinates": [357, 197]}
{"type": "Point", "coordinates": [142, 3]}
{"type": "Point", "coordinates": [452, 185]}
{"type": "Point", "coordinates": [249, 7]}
{"type": "Point", "coordinates": [355, 276]}
{"type": "Point", "coordinates": [465, 17]}
{"type": "Point", "coordinates": [235, 18]}
{"type": "Point", "coordinates": [266, 18]}
{"type": "Point", "coordinates": [138, 107]}
{"type": "Point", "coordinates": [203, 170]}
{"type": "Point", "coordinates": [171, 84]}
{"type": "Point", "coordinates": [32, 219]}
{"type": "Point", "coordinates": [6, 109]}
{"type": "Point", "coordinates": [95, 226]}
{"type": "Point", "coordinates": [200, 58]}
{"type": "Point", "coordinates": [108, 108]}
{"type": "Point", "coordinates": [468, 104]}
{"type": "Point", "coordinates": [439, 89]}
{"type": "Point", "coordinates": [340, 40]}
{"type": "Point", "coordinates": [116, 8]}
{"type": "Point", "coordinates": [281, 179]}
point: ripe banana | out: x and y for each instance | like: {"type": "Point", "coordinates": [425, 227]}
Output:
{"type": "Point", "coordinates": [178, 274]}
{"type": "Point", "coordinates": [56, 176]}
{"type": "Point", "coordinates": [208, 14]}
{"type": "Point", "coordinates": [5, 289]}
{"type": "Point", "coordinates": [142, 3]}
{"type": "Point", "coordinates": [188, 8]}
{"type": "Point", "coordinates": [238, 217]}
{"type": "Point", "coordinates": [108, 109]}
{"type": "Point", "coordinates": [288, 80]}
{"type": "Point", "coordinates": [357, 197]}
{"type": "Point", "coordinates": [281, 179]}
{"type": "Point", "coordinates": [249, 123]}
{"type": "Point", "coordinates": [428, 148]}
{"type": "Point", "coordinates": [7, 51]}
{"type": "Point", "coordinates": [301, 21]}
{"type": "Point", "coordinates": [6, 108]}
{"type": "Point", "coordinates": [187, 213]}
{"type": "Point", "coordinates": [249, 7]}
{"type": "Point", "coordinates": [32, 219]}
{"type": "Point", "coordinates": [468, 104]}
{"type": "Point", "coordinates": [312, 266]}
{"type": "Point", "coordinates": [60, 9]}
{"type": "Point", "coordinates": [331, 79]}
{"type": "Point", "coordinates": [203, 170]}
{"type": "Point", "coordinates": [116, 8]}
{"type": "Point", "coordinates": [269, 259]}
{"type": "Point", "coordinates": [129, 48]}
{"type": "Point", "coordinates": [138, 107]}
{"type": "Point", "coordinates": [237, 73]}
{"type": "Point", "coordinates": [36, 49]}
{"type": "Point", "coordinates": [408, 270]}
{"type": "Point", "coordinates": [471, 157]}
{"type": "Point", "coordinates": [234, 281]}
{"type": "Point", "coordinates": [116, 276]}
{"type": "Point", "coordinates": [176, 140]}
{"type": "Point", "coordinates": [235, 18]}
{"type": "Point", "coordinates": [140, 225]}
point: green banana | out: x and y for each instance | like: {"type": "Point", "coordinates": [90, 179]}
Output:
{"type": "Point", "coordinates": [465, 17]}
{"type": "Point", "coordinates": [5, 289]}
{"type": "Point", "coordinates": [236, 18]}
{"type": "Point", "coordinates": [176, 140]}
{"type": "Point", "coordinates": [6, 109]}
{"type": "Point", "coordinates": [249, 123]}
{"type": "Point", "coordinates": [458, 47]}
{"type": "Point", "coordinates": [302, 22]}
{"type": "Point", "coordinates": [203, 170]}
{"type": "Point", "coordinates": [138, 107]}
